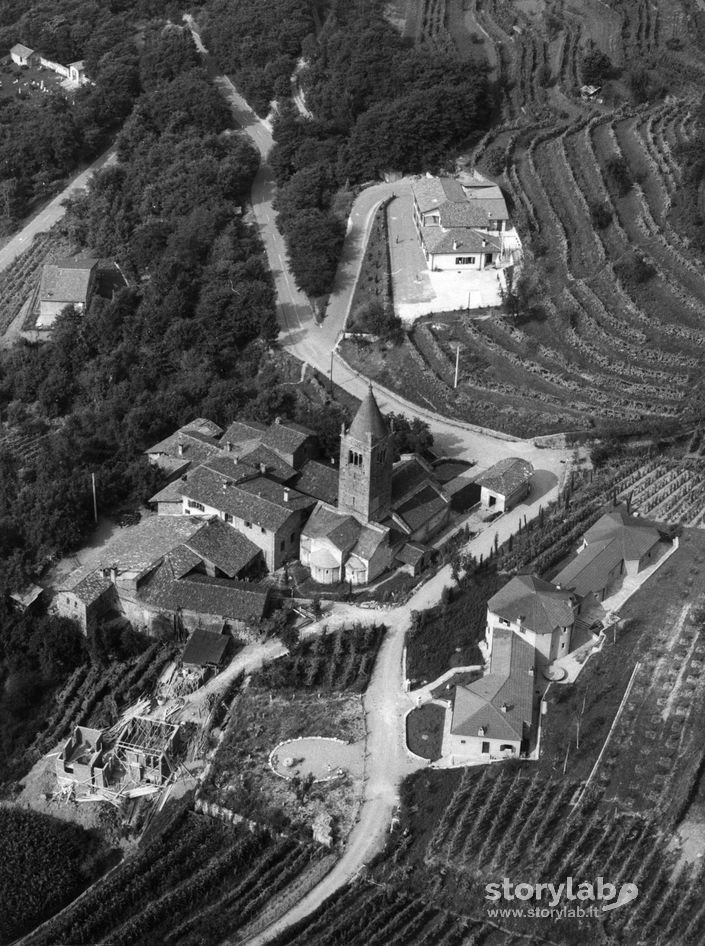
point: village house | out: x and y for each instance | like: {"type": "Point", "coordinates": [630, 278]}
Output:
{"type": "Point", "coordinates": [505, 484]}
{"type": "Point", "coordinates": [460, 221]}
{"type": "Point", "coordinates": [268, 513]}
{"type": "Point", "coordinates": [493, 717]}
{"type": "Point", "coordinates": [617, 545]}
{"type": "Point", "coordinates": [536, 611]}
{"type": "Point", "coordinates": [172, 573]}
{"type": "Point", "coordinates": [65, 282]}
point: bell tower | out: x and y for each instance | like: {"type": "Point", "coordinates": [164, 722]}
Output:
{"type": "Point", "coordinates": [366, 457]}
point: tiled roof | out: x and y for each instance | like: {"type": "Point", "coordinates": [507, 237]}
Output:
{"type": "Point", "coordinates": [458, 240]}
{"type": "Point", "coordinates": [196, 445]}
{"type": "Point", "coordinates": [421, 506]}
{"type": "Point", "coordinates": [66, 280]}
{"type": "Point", "coordinates": [19, 49]}
{"type": "Point", "coordinates": [343, 531]}
{"type": "Point", "coordinates": [459, 204]}
{"type": "Point", "coordinates": [615, 537]}
{"type": "Point", "coordinates": [635, 536]}
{"type": "Point", "coordinates": [541, 606]}
{"type": "Point", "coordinates": [431, 192]}
{"type": "Point", "coordinates": [257, 499]}
{"type": "Point", "coordinates": [91, 587]}
{"type": "Point", "coordinates": [286, 436]}
{"type": "Point", "coordinates": [407, 475]}
{"type": "Point", "coordinates": [500, 703]}
{"type": "Point", "coordinates": [369, 540]}
{"type": "Point", "coordinates": [411, 553]}
{"type": "Point", "coordinates": [506, 476]}
{"type": "Point", "coordinates": [205, 648]}
{"type": "Point", "coordinates": [215, 597]}
{"type": "Point", "coordinates": [319, 480]}
{"type": "Point", "coordinates": [183, 560]}
{"type": "Point", "coordinates": [172, 493]}
{"type": "Point", "coordinates": [282, 436]}
{"type": "Point", "coordinates": [137, 547]}
{"type": "Point", "coordinates": [590, 569]}
{"type": "Point", "coordinates": [263, 456]}
{"type": "Point", "coordinates": [228, 549]}
{"type": "Point", "coordinates": [243, 431]}
{"type": "Point", "coordinates": [369, 420]}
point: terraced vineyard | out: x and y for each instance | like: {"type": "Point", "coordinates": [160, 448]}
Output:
{"type": "Point", "coordinates": [195, 883]}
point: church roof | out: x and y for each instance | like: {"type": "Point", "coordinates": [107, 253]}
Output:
{"type": "Point", "coordinates": [369, 420]}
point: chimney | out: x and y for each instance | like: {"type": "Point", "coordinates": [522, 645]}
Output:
{"type": "Point", "coordinates": [113, 573]}
{"type": "Point", "coordinates": [482, 731]}
{"type": "Point", "coordinates": [455, 244]}
{"type": "Point", "coordinates": [484, 242]}
{"type": "Point", "coordinates": [505, 707]}
{"type": "Point", "coordinates": [181, 445]}
{"type": "Point", "coordinates": [277, 420]}
{"type": "Point", "coordinates": [229, 447]}
{"type": "Point", "coordinates": [286, 494]}
{"type": "Point", "coordinates": [263, 468]}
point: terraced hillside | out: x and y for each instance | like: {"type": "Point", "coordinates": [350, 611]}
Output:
{"type": "Point", "coordinates": [610, 333]}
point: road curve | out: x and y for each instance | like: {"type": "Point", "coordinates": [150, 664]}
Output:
{"type": "Point", "coordinates": [386, 704]}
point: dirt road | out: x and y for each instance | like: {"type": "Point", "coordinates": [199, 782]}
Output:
{"type": "Point", "coordinates": [52, 212]}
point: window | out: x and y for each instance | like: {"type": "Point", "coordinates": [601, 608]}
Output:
{"type": "Point", "coordinates": [354, 458]}
{"type": "Point", "coordinates": [485, 747]}
{"type": "Point", "coordinates": [263, 530]}
{"type": "Point", "coordinates": [464, 260]}
{"type": "Point", "coordinates": [248, 525]}
{"type": "Point", "coordinates": [293, 537]}
{"type": "Point", "coordinates": [228, 517]}
{"type": "Point", "coordinates": [281, 546]}
{"type": "Point", "coordinates": [194, 505]}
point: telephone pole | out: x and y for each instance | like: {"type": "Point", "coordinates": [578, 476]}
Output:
{"type": "Point", "coordinates": [95, 501]}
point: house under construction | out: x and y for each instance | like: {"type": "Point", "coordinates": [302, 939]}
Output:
{"type": "Point", "coordinates": [105, 766]}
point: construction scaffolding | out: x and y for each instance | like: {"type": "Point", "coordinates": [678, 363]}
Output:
{"type": "Point", "coordinates": [130, 760]}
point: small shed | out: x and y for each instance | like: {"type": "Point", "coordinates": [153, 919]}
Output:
{"type": "Point", "coordinates": [505, 484]}
{"type": "Point", "coordinates": [65, 282]}
{"type": "Point", "coordinates": [205, 649]}
{"type": "Point", "coordinates": [21, 55]}
{"type": "Point", "coordinates": [413, 557]}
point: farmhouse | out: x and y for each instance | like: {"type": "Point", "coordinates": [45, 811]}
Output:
{"type": "Point", "coordinates": [505, 484]}
{"type": "Point", "coordinates": [460, 221]}
{"type": "Point", "coordinates": [617, 545]}
{"type": "Point", "coordinates": [66, 282]}
{"type": "Point", "coordinates": [492, 718]}
{"type": "Point", "coordinates": [167, 569]}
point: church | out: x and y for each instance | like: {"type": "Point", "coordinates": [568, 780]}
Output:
{"type": "Point", "coordinates": [385, 511]}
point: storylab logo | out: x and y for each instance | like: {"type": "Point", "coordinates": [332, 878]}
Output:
{"type": "Point", "coordinates": [571, 898]}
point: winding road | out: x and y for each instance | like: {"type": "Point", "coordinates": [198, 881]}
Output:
{"type": "Point", "coordinates": [387, 760]}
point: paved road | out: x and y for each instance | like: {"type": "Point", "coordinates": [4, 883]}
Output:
{"type": "Point", "coordinates": [386, 703]}
{"type": "Point", "coordinates": [52, 212]}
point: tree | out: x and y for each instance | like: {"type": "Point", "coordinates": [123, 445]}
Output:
{"type": "Point", "coordinates": [409, 436]}
{"type": "Point", "coordinates": [314, 241]}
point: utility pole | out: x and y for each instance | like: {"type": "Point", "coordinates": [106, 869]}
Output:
{"type": "Point", "coordinates": [331, 372]}
{"type": "Point", "coordinates": [95, 501]}
{"type": "Point", "coordinates": [457, 363]}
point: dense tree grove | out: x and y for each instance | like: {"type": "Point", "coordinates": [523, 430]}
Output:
{"type": "Point", "coordinates": [45, 864]}
{"type": "Point", "coordinates": [378, 103]}
{"type": "Point", "coordinates": [188, 336]}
